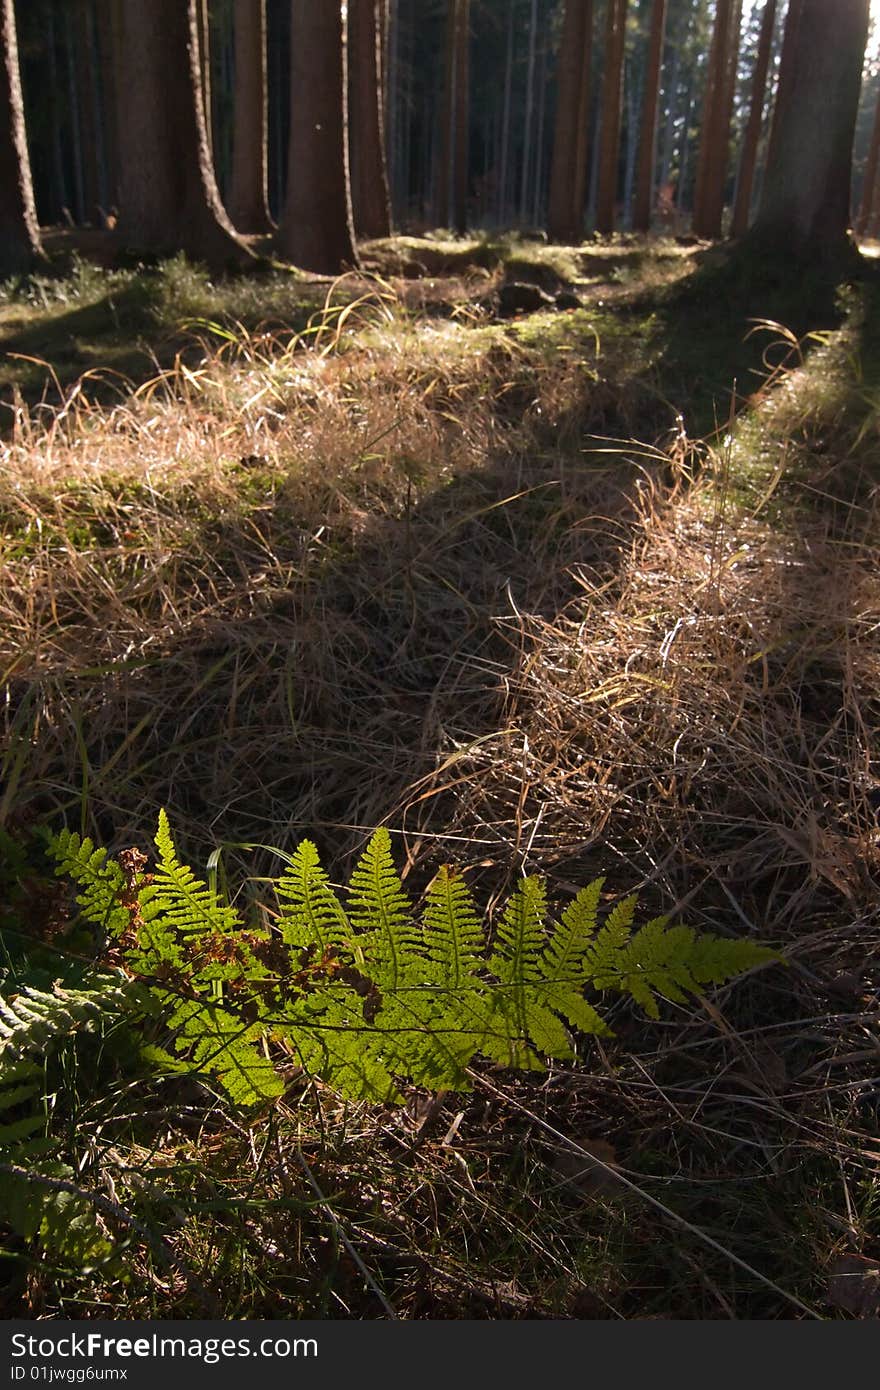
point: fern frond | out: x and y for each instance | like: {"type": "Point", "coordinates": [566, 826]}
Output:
{"type": "Point", "coordinates": [673, 962]}
{"type": "Point", "coordinates": [100, 880]}
{"type": "Point", "coordinates": [187, 905]}
{"type": "Point", "coordinates": [327, 1032]}
{"type": "Point", "coordinates": [217, 1041]}
{"type": "Point", "coordinates": [311, 913]}
{"type": "Point", "coordinates": [381, 914]}
{"type": "Point", "coordinates": [33, 1019]}
{"type": "Point", "coordinates": [454, 936]}
{"type": "Point", "coordinates": [572, 938]}
{"type": "Point", "coordinates": [363, 994]}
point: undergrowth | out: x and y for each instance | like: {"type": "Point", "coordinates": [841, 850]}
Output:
{"type": "Point", "coordinates": [554, 598]}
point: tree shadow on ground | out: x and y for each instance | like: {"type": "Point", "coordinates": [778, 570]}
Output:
{"type": "Point", "coordinates": [324, 687]}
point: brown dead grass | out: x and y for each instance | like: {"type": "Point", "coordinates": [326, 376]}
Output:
{"type": "Point", "coordinates": [417, 578]}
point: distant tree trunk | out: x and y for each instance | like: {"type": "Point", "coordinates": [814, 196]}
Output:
{"type": "Point", "coordinates": [445, 147]}
{"type": "Point", "coordinates": [749, 156]}
{"type": "Point", "coordinates": [168, 197]}
{"type": "Point", "coordinates": [669, 127]}
{"type": "Point", "coordinates": [612, 85]}
{"type": "Point", "coordinates": [74, 118]}
{"type": "Point", "coordinates": [248, 204]}
{"type": "Point", "coordinates": [107, 37]}
{"type": "Point", "coordinates": [316, 227]}
{"type": "Point", "coordinates": [715, 133]}
{"type": "Point", "coordinates": [565, 213]}
{"type": "Point", "coordinates": [539, 136]}
{"type": "Point", "coordinates": [19, 234]}
{"type": "Point", "coordinates": [644, 198]}
{"type": "Point", "coordinates": [527, 122]}
{"type": "Point", "coordinates": [461, 141]}
{"type": "Point", "coordinates": [867, 218]}
{"type": "Point", "coordinates": [58, 180]}
{"type": "Point", "coordinates": [582, 139]}
{"type": "Point", "coordinates": [805, 204]}
{"type": "Point", "coordinates": [91, 134]}
{"type": "Point", "coordinates": [504, 168]}
{"type": "Point", "coordinates": [369, 178]}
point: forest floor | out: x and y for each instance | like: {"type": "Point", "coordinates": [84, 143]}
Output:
{"type": "Point", "coordinates": [584, 582]}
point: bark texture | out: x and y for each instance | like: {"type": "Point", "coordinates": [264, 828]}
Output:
{"type": "Point", "coordinates": [461, 125]}
{"type": "Point", "coordinates": [715, 134]}
{"type": "Point", "coordinates": [316, 226]}
{"type": "Point", "coordinates": [612, 92]}
{"type": "Point", "coordinates": [19, 234]}
{"type": "Point", "coordinates": [805, 204]}
{"type": "Point", "coordinates": [371, 204]}
{"type": "Point", "coordinates": [247, 203]}
{"type": "Point", "coordinates": [168, 197]}
{"type": "Point", "coordinates": [567, 178]}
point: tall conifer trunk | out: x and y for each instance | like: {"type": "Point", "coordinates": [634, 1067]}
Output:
{"type": "Point", "coordinates": [369, 177]}
{"type": "Point", "coordinates": [612, 91]}
{"type": "Point", "coordinates": [461, 140]}
{"type": "Point", "coordinates": [168, 197]}
{"type": "Point", "coordinates": [566, 208]}
{"type": "Point", "coordinates": [316, 227]}
{"type": "Point", "coordinates": [247, 203]}
{"type": "Point", "coordinates": [805, 202]}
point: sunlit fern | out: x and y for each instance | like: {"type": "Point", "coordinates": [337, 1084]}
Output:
{"type": "Point", "coordinates": [363, 990]}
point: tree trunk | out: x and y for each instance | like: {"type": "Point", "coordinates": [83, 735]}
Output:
{"type": "Point", "coordinates": [565, 213]}
{"type": "Point", "coordinates": [786, 67]}
{"type": "Point", "coordinates": [527, 122]}
{"type": "Point", "coordinates": [582, 143]}
{"type": "Point", "coordinates": [248, 201]}
{"type": "Point", "coordinates": [19, 234]}
{"type": "Point", "coordinates": [369, 177]}
{"type": "Point", "coordinates": [58, 182]}
{"type": "Point", "coordinates": [461, 140]}
{"type": "Point", "coordinates": [94, 173]}
{"type": "Point", "coordinates": [867, 219]}
{"type": "Point", "coordinates": [612, 86]}
{"type": "Point", "coordinates": [504, 167]}
{"type": "Point", "coordinates": [805, 204]}
{"type": "Point", "coordinates": [168, 197]}
{"type": "Point", "coordinates": [712, 156]}
{"type": "Point", "coordinates": [444, 148]}
{"type": "Point", "coordinates": [539, 136]}
{"type": "Point", "coordinates": [107, 36]}
{"type": "Point", "coordinates": [644, 199]}
{"type": "Point", "coordinates": [316, 227]}
{"type": "Point", "coordinates": [749, 156]}
{"type": "Point", "coordinates": [74, 118]}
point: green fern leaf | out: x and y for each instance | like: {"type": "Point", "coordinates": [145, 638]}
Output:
{"type": "Point", "coordinates": [33, 1019]}
{"type": "Point", "coordinates": [100, 880]}
{"type": "Point", "coordinates": [311, 913]}
{"type": "Point", "coordinates": [381, 914]}
{"type": "Point", "coordinates": [454, 936]}
{"type": "Point", "coordinates": [187, 905]}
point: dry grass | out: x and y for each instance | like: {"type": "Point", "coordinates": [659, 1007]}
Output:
{"type": "Point", "coordinates": [404, 570]}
